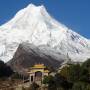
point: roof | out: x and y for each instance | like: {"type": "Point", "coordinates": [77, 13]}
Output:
{"type": "Point", "coordinates": [46, 71]}
{"type": "Point", "coordinates": [39, 66]}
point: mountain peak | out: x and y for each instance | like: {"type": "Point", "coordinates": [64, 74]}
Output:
{"type": "Point", "coordinates": [34, 6]}
{"type": "Point", "coordinates": [29, 13]}
{"type": "Point", "coordinates": [33, 24]}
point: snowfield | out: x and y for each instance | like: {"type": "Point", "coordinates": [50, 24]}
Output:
{"type": "Point", "coordinates": [34, 25]}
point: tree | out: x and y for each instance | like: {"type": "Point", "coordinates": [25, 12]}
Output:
{"type": "Point", "coordinates": [65, 72]}
{"type": "Point", "coordinates": [86, 64]}
{"type": "Point", "coordinates": [80, 86]}
{"type": "Point", "coordinates": [5, 71]}
{"type": "Point", "coordinates": [49, 80]}
{"type": "Point", "coordinates": [84, 75]}
{"type": "Point", "coordinates": [61, 82]}
{"type": "Point", "coordinates": [71, 73]}
{"type": "Point", "coordinates": [85, 71]}
{"type": "Point", "coordinates": [88, 87]}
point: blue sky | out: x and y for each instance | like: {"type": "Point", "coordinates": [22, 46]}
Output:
{"type": "Point", "coordinates": [73, 13]}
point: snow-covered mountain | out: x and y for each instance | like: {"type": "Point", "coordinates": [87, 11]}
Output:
{"type": "Point", "coordinates": [34, 25]}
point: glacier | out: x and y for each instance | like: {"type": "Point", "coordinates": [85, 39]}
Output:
{"type": "Point", "coordinates": [34, 24]}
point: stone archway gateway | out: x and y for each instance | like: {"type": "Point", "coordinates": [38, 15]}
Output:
{"type": "Point", "coordinates": [38, 76]}
{"type": "Point", "coordinates": [37, 72]}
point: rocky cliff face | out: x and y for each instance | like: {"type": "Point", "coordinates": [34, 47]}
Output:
{"type": "Point", "coordinates": [28, 54]}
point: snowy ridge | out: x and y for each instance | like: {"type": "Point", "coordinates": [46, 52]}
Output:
{"type": "Point", "coordinates": [34, 25]}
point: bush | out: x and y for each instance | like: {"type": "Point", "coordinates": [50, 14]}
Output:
{"type": "Point", "coordinates": [34, 86]}
{"type": "Point", "coordinates": [16, 75]}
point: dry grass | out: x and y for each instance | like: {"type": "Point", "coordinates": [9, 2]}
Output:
{"type": "Point", "coordinates": [8, 84]}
